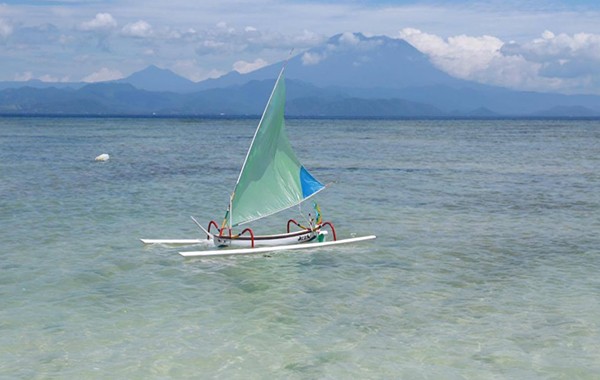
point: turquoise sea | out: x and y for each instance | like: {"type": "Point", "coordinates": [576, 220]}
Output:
{"type": "Point", "coordinates": [486, 264]}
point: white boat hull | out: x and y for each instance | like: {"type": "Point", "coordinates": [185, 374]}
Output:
{"type": "Point", "coordinates": [248, 251]}
{"type": "Point", "coordinates": [245, 241]}
{"type": "Point", "coordinates": [297, 237]}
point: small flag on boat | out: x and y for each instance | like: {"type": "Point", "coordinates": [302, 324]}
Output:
{"type": "Point", "coordinates": [318, 217]}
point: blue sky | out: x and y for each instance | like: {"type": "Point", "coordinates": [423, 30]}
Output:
{"type": "Point", "coordinates": [529, 45]}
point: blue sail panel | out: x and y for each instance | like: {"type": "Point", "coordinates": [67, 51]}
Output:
{"type": "Point", "coordinates": [309, 184]}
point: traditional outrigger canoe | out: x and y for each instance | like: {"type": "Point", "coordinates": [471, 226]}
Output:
{"type": "Point", "coordinates": [271, 180]}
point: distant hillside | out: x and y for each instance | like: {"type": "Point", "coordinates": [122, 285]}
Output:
{"type": "Point", "coordinates": [249, 99]}
{"type": "Point", "coordinates": [36, 83]}
{"type": "Point", "coordinates": [357, 62]}
{"type": "Point", "coordinates": [153, 78]}
{"type": "Point", "coordinates": [349, 75]}
{"type": "Point", "coordinates": [93, 99]}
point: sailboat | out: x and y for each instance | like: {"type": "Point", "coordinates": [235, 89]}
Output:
{"type": "Point", "coordinates": [271, 180]}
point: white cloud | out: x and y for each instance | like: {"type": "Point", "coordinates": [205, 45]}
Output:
{"type": "Point", "coordinates": [190, 69]}
{"type": "Point", "coordinates": [547, 35]}
{"type": "Point", "coordinates": [353, 42]}
{"type": "Point", "coordinates": [568, 63]}
{"type": "Point", "coordinates": [561, 46]}
{"type": "Point", "coordinates": [348, 38]}
{"type": "Point", "coordinates": [64, 39]}
{"type": "Point", "coordinates": [28, 75]}
{"type": "Point", "coordinates": [102, 22]}
{"type": "Point", "coordinates": [186, 67]}
{"type": "Point", "coordinates": [187, 35]}
{"type": "Point", "coordinates": [104, 74]}
{"type": "Point", "coordinates": [23, 77]}
{"type": "Point", "coordinates": [471, 58]}
{"type": "Point", "coordinates": [572, 62]}
{"type": "Point", "coordinates": [49, 78]}
{"type": "Point", "coordinates": [222, 25]}
{"type": "Point", "coordinates": [138, 29]}
{"type": "Point", "coordinates": [5, 28]}
{"type": "Point", "coordinates": [306, 39]}
{"type": "Point", "coordinates": [244, 67]}
{"type": "Point", "coordinates": [309, 58]}
{"type": "Point", "coordinates": [461, 56]}
{"type": "Point", "coordinates": [211, 46]}
{"type": "Point", "coordinates": [249, 42]}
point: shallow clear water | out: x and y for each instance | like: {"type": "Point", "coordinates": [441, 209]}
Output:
{"type": "Point", "coordinates": [485, 266]}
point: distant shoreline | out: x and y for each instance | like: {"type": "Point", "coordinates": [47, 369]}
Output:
{"type": "Point", "coordinates": [291, 117]}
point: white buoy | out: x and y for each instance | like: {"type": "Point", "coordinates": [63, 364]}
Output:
{"type": "Point", "coordinates": [103, 157]}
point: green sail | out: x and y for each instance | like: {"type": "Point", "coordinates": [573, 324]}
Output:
{"type": "Point", "coordinates": [272, 179]}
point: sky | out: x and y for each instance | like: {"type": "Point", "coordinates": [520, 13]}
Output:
{"type": "Point", "coordinates": [526, 45]}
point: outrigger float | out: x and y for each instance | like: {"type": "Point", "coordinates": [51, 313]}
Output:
{"type": "Point", "coordinates": [271, 180]}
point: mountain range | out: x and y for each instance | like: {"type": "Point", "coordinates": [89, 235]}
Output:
{"type": "Point", "coordinates": [348, 76]}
